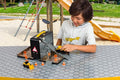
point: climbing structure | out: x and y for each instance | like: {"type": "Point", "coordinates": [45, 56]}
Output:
{"type": "Point", "coordinates": [33, 21]}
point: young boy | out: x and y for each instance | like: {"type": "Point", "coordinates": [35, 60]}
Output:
{"type": "Point", "coordinates": [77, 33]}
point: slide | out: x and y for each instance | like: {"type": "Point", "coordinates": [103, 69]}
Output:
{"type": "Point", "coordinates": [108, 35]}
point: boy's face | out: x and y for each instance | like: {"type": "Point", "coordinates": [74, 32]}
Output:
{"type": "Point", "coordinates": [77, 20]}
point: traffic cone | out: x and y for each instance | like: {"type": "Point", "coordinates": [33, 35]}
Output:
{"type": "Point", "coordinates": [63, 63]}
{"type": "Point", "coordinates": [35, 63]}
{"type": "Point", "coordinates": [42, 64]}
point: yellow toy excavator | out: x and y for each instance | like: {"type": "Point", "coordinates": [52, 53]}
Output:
{"type": "Point", "coordinates": [108, 35]}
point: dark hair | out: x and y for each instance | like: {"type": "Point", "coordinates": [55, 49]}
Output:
{"type": "Point", "coordinates": [82, 6]}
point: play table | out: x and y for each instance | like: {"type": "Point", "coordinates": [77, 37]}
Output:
{"type": "Point", "coordinates": [104, 63]}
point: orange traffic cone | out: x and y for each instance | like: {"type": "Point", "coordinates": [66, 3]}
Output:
{"type": "Point", "coordinates": [25, 56]}
{"type": "Point", "coordinates": [26, 60]}
{"type": "Point", "coordinates": [55, 55]}
{"type": "Point", "coordinates": [49, 54]}
{"type": "Point", "coordinates": [63, 63]}
{"type": "Point", "coordinates": [42, 64]}
{"type": "Point", "coordinates": [35, 63]}
{"type": "Point", "coordinates": [25, 52]}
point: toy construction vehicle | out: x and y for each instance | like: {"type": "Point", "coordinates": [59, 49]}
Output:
{"type": "Point", "coordinates": [26, 64]}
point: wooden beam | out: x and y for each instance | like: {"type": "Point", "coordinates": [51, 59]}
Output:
{"type": "Point", "coordinates": [10, 1]}
{"type": "Point", "coordinates": [37, 7]}
{"type": "Point", "coordinates": [4, 4]}
{"type": "Point", "coordinates": [13, 1]}
{"type": "Point", "coordinates": [48, 14]}
{"type": "Point", "coordinates": [61, 14]}
{"type": "Point", "coordinates": [51, 17]}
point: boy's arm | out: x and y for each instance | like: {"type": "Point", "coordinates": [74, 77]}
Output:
{"type": "Point", "coordinates": [84, 48]}
{"type": "Point", "coordinates": [59, 42]}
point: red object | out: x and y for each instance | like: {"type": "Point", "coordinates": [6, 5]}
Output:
{"type": "Point", "coordinates": [34, 49]}
{"type": "Point", "coordinates": [29, 27]}
{"type": "Point", "coordinates": [55, 55]}
{"type": "Point", "coordinates": [38, 8]}
{"type": "Point", "coordinates": [25, 52]}
{"type": "Point", "coordinates": [33, 21]}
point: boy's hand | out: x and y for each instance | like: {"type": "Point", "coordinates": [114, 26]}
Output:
{"type": "Point", "coordinates": [68, 48]}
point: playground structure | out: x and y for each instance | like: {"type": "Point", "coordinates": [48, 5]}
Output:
{"type": "Point", "coordinates": [36, 17]}
{"type": "Point", "coordinates": [108, 35]}
{"type": "Point", "coordinates": [49, 17]}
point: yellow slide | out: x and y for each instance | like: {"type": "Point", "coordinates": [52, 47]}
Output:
{"type": "Point", "coordinates": [108, 35]}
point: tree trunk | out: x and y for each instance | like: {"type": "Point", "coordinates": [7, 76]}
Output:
{"type": "Point", "coordinates": [4, 4]}
{"type": "Point", "coordinates": [10, 1]}
{"type": "Point", "coordinates": [13, 1]}
{"type": "Point", "coordinates": [1, 1]}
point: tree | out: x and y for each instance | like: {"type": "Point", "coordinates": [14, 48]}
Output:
{"type": "Point", "coordinates": [10, 1]}
{"type": "Point", "coordinates": [13, 1]}
{"type": "Point", "coordinates": [1, 1]}
{"type": "Point", "coordinates": [4, 4]}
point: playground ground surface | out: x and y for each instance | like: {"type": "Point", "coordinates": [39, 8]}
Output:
{"type": "Point", "coordinates": [8, 27]}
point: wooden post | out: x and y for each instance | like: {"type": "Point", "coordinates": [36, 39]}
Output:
{"type": "Point", "coordinates": [61, 14]}
{"type": "Point", "coordinates": [51, 23]}
{"type": "Point", "coordinates": [13, 1]}
{"type": "Point", "coordinates": [48, 14]}
{"type": "Point", "coordinates": [10, 1]}
{"type": "Point", "coordinates": [1, 2]}
{"type": "Point", "coordinates": [4, 4]}
{"type": "Point", "coordinates": [37, 7]}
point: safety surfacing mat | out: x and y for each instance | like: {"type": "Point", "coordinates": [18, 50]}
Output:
{"type": "Point", "coordinates": [104, 63]}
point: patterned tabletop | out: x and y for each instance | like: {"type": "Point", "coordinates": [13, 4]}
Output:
{"type": "Point", "coordinates": [104, 63]}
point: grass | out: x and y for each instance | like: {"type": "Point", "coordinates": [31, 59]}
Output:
{"type": "Point", "coordinates": [110, 10]}
{"type": "Point", "coordinates": [23, 9]}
